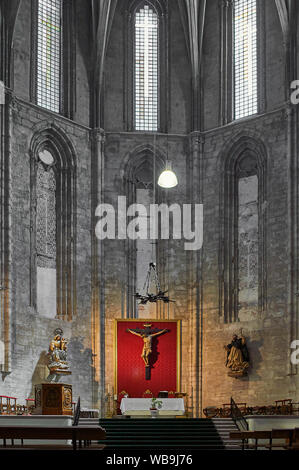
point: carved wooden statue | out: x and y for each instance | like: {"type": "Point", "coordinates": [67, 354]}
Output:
{"type": "Point", "coordinates": [58, 364]}
{"type": "Point", "coordinates": [237, 356]}
{"type": "Point", "coordinates": [146, 335]}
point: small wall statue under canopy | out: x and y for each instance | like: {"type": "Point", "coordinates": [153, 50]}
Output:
{"type": "Point", "coordinates": [237, 356]}
{"type": "Point", "coordinates": [58, 364]}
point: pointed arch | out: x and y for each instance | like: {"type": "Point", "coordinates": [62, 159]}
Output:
{"type": "Point", "coordinates": [243, 167]}
{"type": "Point", "coordinates": [142, 153]}
{"type": "Point", "coordinates": [140, 171]}
{"type": "Point", "coordinates": [52, 139]}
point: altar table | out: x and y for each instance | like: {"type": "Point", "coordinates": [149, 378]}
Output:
{"type": "Point", "coordinates": [141, 406]}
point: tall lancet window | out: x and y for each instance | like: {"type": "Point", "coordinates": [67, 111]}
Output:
{"type": "Point", "coordinates": [247, 243]}
{"type": "Point", "coordinates": [245, 58]}
{"type": "Point", "coordinates": [48, 64]}
{"type": "Point", "coordinates": [146, 69]}
{"type": "Point", "coordinates": [46, 235]}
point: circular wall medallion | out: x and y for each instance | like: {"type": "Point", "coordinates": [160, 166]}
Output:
{"type": "Point", "coordinates": [46, 157]}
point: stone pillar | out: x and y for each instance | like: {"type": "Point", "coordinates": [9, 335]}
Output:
{"type": "Point", "coordinates": [98, 279]}
{"type": "Point", "coordinates": [195, 281]}
{"type": "Point", "coordinates": [5, 226]}
{"type": "Point", "coordinates": [226, 11]}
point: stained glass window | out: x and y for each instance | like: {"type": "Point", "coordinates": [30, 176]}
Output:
{"type": "Point", "coordinates": [49, 54]}
{"type": "Point", "coordinates": [245, 58]}
{"type": "Point", "coordinates": [146, 69]}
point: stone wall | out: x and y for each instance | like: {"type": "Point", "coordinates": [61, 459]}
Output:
{"type": "Point", "coordinates": [31, 333]}
{"type": "Point", "coordinates": [267, 332]}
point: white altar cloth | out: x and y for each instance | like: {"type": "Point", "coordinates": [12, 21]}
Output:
{"type": "Point", "coordinates": [141, 406]}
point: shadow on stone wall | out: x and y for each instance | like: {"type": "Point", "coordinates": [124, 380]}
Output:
{"type": "Point", "coordinates": [255, 358]}
{"type": "Point", "coordinates": [80, 360]}
{"type": "Point", "coordinates": [41, 371]}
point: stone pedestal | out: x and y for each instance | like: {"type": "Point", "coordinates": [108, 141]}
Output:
{"type": "Point", "coordinates": [53, 399]}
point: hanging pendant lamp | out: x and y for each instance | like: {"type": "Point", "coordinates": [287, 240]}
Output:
{"type": "Point", "coordinates": [168, 178]}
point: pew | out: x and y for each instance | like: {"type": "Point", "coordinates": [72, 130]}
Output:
{"type": "Point", "coordinates": [286, 434]}
{"type": "Point", "coordinates": [76, 434]}
{"type": "Point", "coordinates": [289, 435]}
{"type": "Point", "coordinates": [238, 436]}
{"type": "Point", "coordinates": [294, 442]}
{"type": "Point", "coordinates": [255, 435]}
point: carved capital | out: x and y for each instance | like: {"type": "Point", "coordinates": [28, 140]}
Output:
{"type": "Point", "coordinates": [12, 99]}
{"type": "Point", "coordinates": [288, 111]}
{"type": "Point", "coordinates": [99, 135]}
{"type": "Point", "coordinates": [226, 3]}
{"type": "Point", "coordinates": [197, 138]}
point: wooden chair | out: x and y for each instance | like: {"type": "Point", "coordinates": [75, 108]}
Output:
{"type": "Point", "coordinates": [8, 405]}
{"type": "Point", "coordinates": [21, 409]}
{"type": "Point", "coordinates": [284, 406]}
{"type": "Point", "coordinates": [147, 394]}
{"type": "Point", "coordinates": [295, 408]}
{"type": "Point", "coordinates": [3, 404]}
{"type": "Point", "coordinates": [12, 405]}
{"type": "Point", "coordinates": [211, 412]}
{"type": "Point", "coordinates": [163, 394]}
{"type": "Point", "coordinates": [122, 394]}
{"type": "Point", "coordinates": [30, 405]}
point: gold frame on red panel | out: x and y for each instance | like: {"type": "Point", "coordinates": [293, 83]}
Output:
{"type": "Point", "coordinates": [146, 320]}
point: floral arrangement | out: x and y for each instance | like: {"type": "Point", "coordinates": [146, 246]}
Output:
{"type": "Point", "coordinates": [156, 404]}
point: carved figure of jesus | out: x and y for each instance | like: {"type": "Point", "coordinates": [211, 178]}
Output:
{"type": "Point", "coordinates": [147, 343]}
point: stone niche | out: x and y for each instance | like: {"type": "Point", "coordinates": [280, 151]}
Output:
{"type": "Point", "coordinates": [53, 399]}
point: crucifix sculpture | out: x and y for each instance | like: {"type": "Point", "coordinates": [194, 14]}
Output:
{"type": "Point", "coordinates": [147, 334]}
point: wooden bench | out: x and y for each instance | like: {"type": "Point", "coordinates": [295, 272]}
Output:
{"type": "Point", "coordinates": [293, 443]}
{"type": "Point", "coordinates": [255, 435]}
{"type": "Point", "coordinates": [76, 434]}
{"type": "Point", "coordinates": [287, 434]}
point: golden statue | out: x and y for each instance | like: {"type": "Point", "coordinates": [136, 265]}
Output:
{"type": "Point", "coordinates": [147, 334]}
{"type": "Point", "coordinates": [58, 358]}
{"type": "Point", "coordinates": [237, 356]}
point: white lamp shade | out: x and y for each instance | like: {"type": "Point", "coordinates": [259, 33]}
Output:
{"type": "Point", "coordinates": [168, 178]}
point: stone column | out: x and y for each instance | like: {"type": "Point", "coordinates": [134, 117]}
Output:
{"type": "Point", "coordinates": [226, 90]}
{"type": "Point", "coordinates": [98, 269]}
{"type": "Point", "coordinates": [5, 230]}
{"type": "Point", "coordinates": [195, 281]}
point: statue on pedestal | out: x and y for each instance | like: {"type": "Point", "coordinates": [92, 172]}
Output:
{"type": "Point", "coordinates": [237, 356]}
{"type": "Point", "coordinates": [58, 364]}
